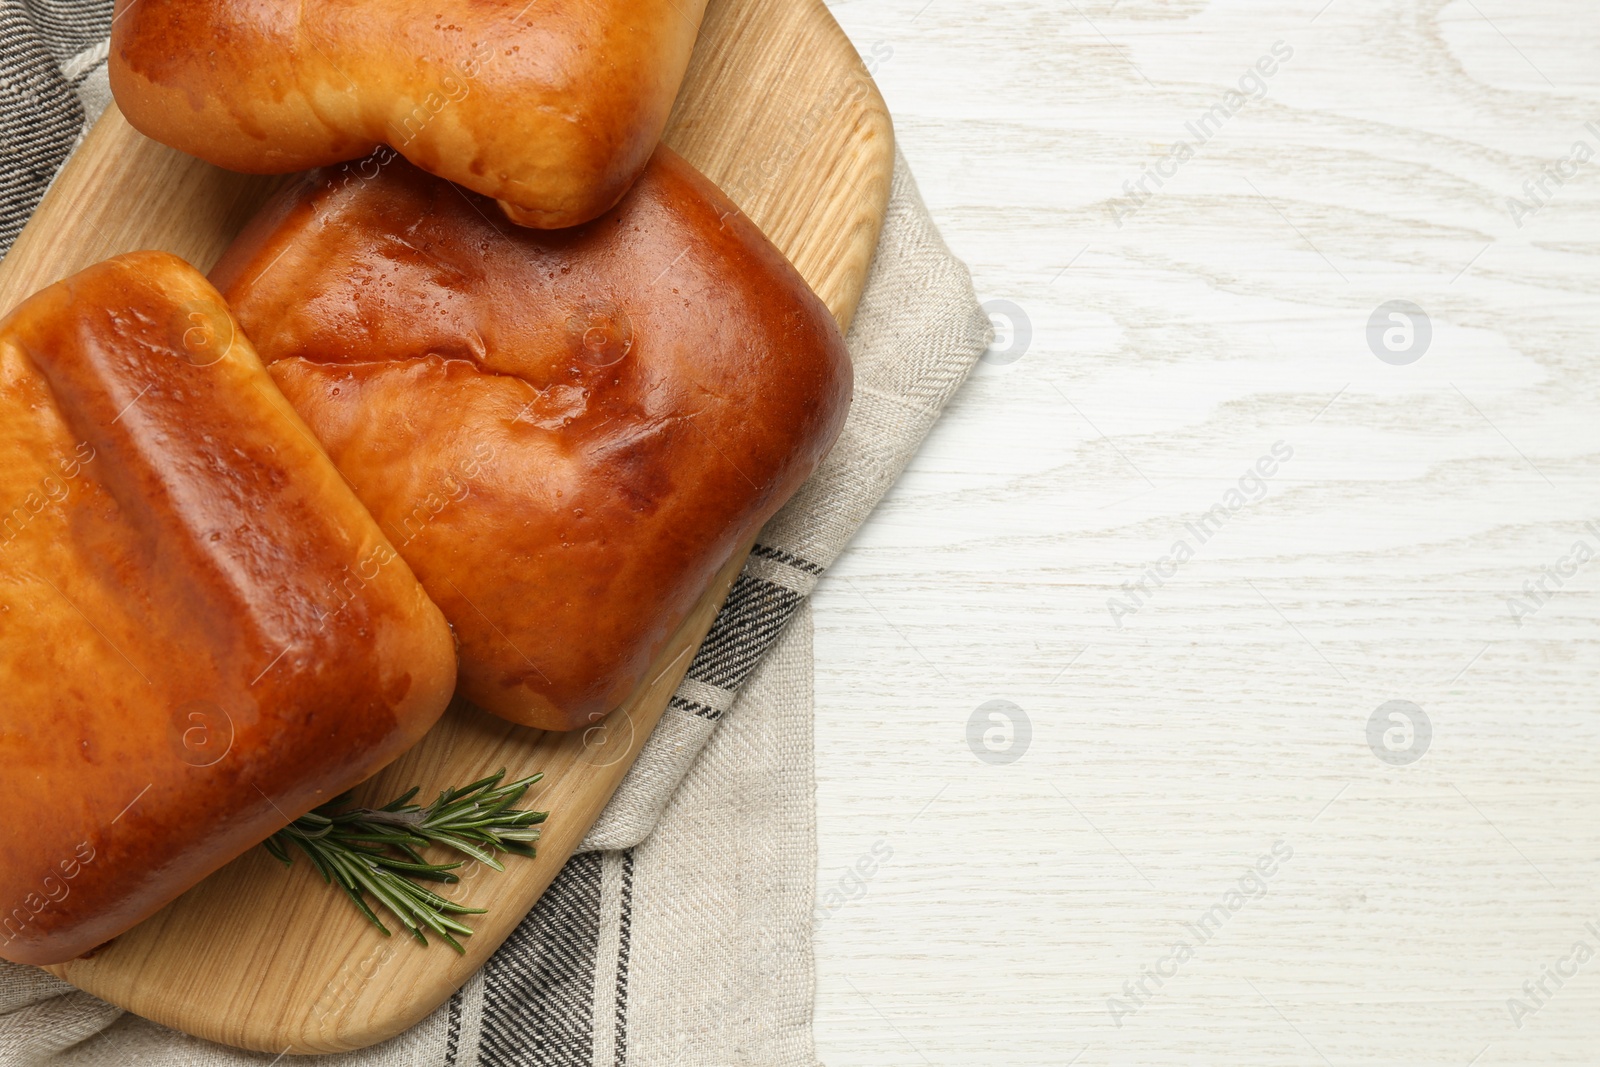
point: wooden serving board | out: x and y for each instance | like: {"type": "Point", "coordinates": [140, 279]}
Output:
{"type": "Point", "coordinates": [779, 111]}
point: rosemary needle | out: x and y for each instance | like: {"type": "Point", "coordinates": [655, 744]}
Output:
{"type": "Point", "coordinates": [373, 852]}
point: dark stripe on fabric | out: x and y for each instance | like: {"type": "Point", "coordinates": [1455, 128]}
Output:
{"type": "Point", "coordinates": [750, 621]}
{"type": "Point", "coordinates": [622, 959]}
{"type": "Point", "coordinates": [768, 552]}
{"type": "Point", "coordinates": [40, 119]}
{"type": "Point", "coordinates": [67, 27]}
{"type": "Point", "coordinates": [694, 707]}
{"type": "Point", "coordinates": [452, 1034]}
{"type": "Point", "coordinates": [539, 987]}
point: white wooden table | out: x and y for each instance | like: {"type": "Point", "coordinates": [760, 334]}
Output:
{"type": "Point", "coordinates": [1175, 741]}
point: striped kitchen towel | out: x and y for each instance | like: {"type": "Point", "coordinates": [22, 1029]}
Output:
{"type": "Point", "coordinates": [681, 932]}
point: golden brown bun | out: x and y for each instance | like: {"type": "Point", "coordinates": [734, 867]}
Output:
{"type": "Point", "coordinates": [565, 433]}
{"type": "Point", "coordinates": [206, 635]}
{"type": "Point", "coordinates": [552, 107]}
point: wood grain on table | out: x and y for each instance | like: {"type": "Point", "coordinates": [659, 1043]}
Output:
{"type": "Point", "coordinates": [996, 907]}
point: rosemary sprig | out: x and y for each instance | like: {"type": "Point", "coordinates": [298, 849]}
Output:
{"type": "Point", "coordinates": [374, 851]}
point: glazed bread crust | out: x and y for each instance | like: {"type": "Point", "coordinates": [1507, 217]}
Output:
{"type": "Point", "coordinates": [550, 106]}
{"type": "Point", "coordinates": [565, 433]}
{"type": "Point", "coordinates": [205, 633]}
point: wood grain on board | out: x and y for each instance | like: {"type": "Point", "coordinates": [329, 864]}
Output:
{"type": "Point", "coordinates": [779, 111]}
